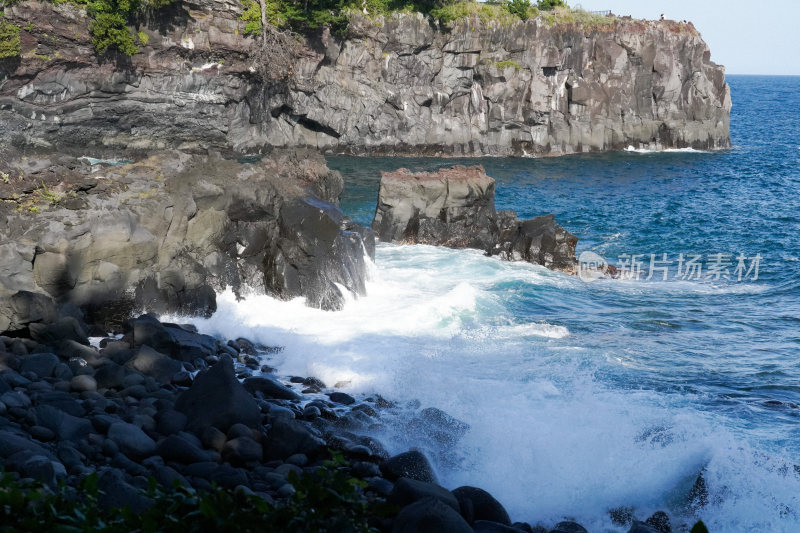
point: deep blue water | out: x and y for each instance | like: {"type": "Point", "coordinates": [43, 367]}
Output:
{"type": "Point", "coordinates": [717, 361]}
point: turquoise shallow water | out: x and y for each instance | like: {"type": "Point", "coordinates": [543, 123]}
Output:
{"type": "Point", "coordinates": [584, 396]}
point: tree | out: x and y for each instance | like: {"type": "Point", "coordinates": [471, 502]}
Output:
{"type": "Point", "coordinates": [547, 5]}
{"type": "Point", "coordinates": [520, 8]}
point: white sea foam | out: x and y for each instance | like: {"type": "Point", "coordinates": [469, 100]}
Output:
{"type": "Point", "coordinates": [546, 437]}
{"type": "Point", "coordinates": [664, 150]}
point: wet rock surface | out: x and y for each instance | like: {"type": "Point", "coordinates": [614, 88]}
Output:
{"type": "Point", "coordinates": [455, 207]}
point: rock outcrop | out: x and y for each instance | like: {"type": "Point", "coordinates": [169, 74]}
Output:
{"type": "Point", "coordinates": [165, 233]}
{"type": "Point", "coordinates": [455, 208]}
{"type": "Point", "coordinates": [397, 85]}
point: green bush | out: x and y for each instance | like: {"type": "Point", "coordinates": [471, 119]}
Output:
{"type": "Point", "coordinates": [110, 19]}
{"type": "Point", "coordinates": [328, 501]}
{"type": "Point", "coordinates": [109, 30]}
{"type": "Point", "coordinates": [462, 10]}
{"type": "Point", "coordinates": [547, 5]}
{"type": "Point", "coordinates": [9, 39]}
{"type": "Point", "coordinates": [522, 9]}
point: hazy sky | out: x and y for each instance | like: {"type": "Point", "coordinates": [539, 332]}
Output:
{"type": "Point", "coordinates": [748, 37]}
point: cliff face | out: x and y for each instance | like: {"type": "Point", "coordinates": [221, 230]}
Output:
{"type": "Point", "coordinates": [395, 86]}
{"type": "Point", "coordinates": [168, 232]}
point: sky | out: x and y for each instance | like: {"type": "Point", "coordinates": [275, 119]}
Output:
{"type": "Point", "coordinates": [748, 37]}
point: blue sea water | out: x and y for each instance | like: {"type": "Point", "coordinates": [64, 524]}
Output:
{"type": "Point", "coordinates": [585, 396]}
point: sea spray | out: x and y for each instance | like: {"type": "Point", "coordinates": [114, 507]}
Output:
{"type": "Point", "coordinates": [558, 424]}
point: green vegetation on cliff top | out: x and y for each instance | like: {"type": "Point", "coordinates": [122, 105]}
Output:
{"type": "Point", "coordinates": [302, 15]}
{"type": "Point", "coordinates": [113, 21]}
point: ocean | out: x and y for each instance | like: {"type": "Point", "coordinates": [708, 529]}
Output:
{"type": "Point", "coordinates": [586, 395]}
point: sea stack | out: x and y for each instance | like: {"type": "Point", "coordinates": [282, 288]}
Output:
{"type": "Point", "coordinates": [454, 207]}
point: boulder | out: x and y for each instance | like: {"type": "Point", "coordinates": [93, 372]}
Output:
{"type": "Point", "coordinates": [480, 506]}
{"type": "Point", "coordinates": [289, 437]}
{"type": "Point", "coordinates": [12, 443]}
{"type": "Point", "coordinates": [407, 491]}
{"type": "Point", "coordinates": [116, 492]}
{"type": "Point", "coordinates": [242, 450]}
{"type": "Point", "coordinates": [430, 515]}
{"type": "Point", "coordinates": [109, 375]}
{"type": "Point", "coordinates": [216, 398]}
{"type": "Point", "coordinates": [660, 522]}
{"type": "Point", "coordinates": [568, 527]}
{"type": "Point", "coordinates": [270, 388]}
{"type": "Point", "coordinates": [181, 450]}
{"type": "Point", "coordinates": [154, 364]}
{"type": "Point", "coordinates": [41, 364]}
{"type": "Point", "coordinates": [342, 398]}
{"type": "Point", "coordinates": [65, 426]}
{"type": "Point", "coordinates": [66, 328]}
{"type": "Point", "coordinates": [412, 464]}
{"type": "Point", "coordinates": [132, 441]}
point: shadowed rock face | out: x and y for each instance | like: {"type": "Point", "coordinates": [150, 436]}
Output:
{"type": "Point", "coordinates": [166, 233]}
{"type": "Point", "coordinates": [455, 208]}
{"type": "Point", "coordinates": [452, 207]}
{"type": "Point", "coordinates": [395, 86]}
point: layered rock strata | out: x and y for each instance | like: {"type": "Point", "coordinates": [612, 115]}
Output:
{"type": "Point", "coordinates": [396, 85]}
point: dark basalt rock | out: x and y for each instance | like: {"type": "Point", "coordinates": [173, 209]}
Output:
{"type": "Point", "coordinates": [660, 522]}
{"type": "Point", "coordinates": [568, 527]}
{"type": "Point", "coordinates": [216, 398]}
{"type": "Point", "coordinates": [430, 515]}
{"type": "Point", "coordinates": [288, 437]}
{"type": "Point", "coordinates": [455, 208]}
{"type": "Point", "coordinates": [270, 388]}
{"type": "Point", "coordinates": [407, 491]}
{"type": "Point", "coordinates": [480, 505]}
{"type": "Point", "coordinates": [485, 526]}
{"type": "Point", "coordinates": [412, 464]}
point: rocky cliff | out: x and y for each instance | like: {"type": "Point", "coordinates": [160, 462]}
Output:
{"type": "Point", "coordinates": [401, 85]}
{"type": "Point", "coordinates": [168, 232]}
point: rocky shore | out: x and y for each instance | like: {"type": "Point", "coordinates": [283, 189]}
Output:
{"type": "Point", "coordinates": [162, 402]}
{"type": "Point", "coordinates": [166, 232]}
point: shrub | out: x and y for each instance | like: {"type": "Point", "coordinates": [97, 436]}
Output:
{"type": "Point", "coordinates": [461, 10]}
{"type": "Point", "coordinates": [9, 39]}
{"type": "Point", "coordinates": [109, 30]}
{"type": "Point", "coordinates": [522, 9]}
{"type": "Point", "coordinates": [547, 5]}
{"type": "Point", "coordinates": [110, 18]}
{"type": "Point", "coordinates": [330, 500]}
